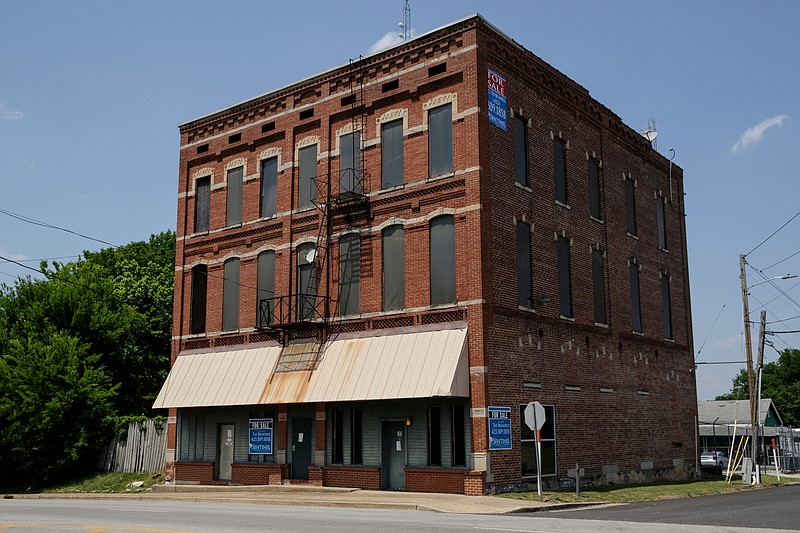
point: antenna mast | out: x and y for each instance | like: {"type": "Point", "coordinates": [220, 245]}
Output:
{"type": "Point", "coordinates": [405, 25]}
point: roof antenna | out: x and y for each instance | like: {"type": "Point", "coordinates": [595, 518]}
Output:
{"type": "Point", "coordinates": [405, 25]}
{"type": "Point", "coordinates": [650, 133]}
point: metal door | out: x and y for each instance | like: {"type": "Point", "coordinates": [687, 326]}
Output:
{"type": "Point", "coordinates": [301, 447]}
{"type": "Point", "coordinates": [225, 451]}
{"type": "Point", "coordinates": [393, 460]}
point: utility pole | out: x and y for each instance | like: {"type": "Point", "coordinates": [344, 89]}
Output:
{"type": "Point", "coordinates": [761, 334]}
{"type": "Point", "coordinates": [749, 352]}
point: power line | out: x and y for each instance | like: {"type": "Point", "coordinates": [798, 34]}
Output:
{"type": "Point", "coordinates": [779, 262]}
{"type": "Point", "coordinates": [773, 234]}
{"type": "Point", "coordinates": [35, 222]}
{"type": "Point", "coordinates": [715, 322]}
{"type": "Point", "coordinates": [45, 259]}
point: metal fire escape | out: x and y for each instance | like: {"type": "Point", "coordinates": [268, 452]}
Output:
{"type": "Point", "coordinates": [341, 201]}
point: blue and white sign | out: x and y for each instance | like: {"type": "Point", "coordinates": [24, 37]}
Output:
{"type": "Point", "coordinates": [499, 428]}
{"type": "Point", "coordinates": [260, 435]}
{"type": "Point", "coordinates": [497, 100]}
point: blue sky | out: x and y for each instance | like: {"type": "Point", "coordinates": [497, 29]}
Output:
{"type": "Point", "coordinates": [92, 92]}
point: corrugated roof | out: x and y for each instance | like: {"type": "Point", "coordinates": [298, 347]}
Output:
{"type": "Point", "coordinates": [730, 411]}
{"type": "Point", "coordinates": [418, 364]}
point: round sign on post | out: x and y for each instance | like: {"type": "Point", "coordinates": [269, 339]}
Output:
{"type": "Point", "coordinates": [534, 415]}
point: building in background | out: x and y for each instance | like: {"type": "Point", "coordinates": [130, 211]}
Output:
{"type": "Point", "coordinates": [380, 266]}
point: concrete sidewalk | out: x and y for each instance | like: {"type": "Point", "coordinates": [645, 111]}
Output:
{"type": "Point", "coordinates": [305, 495]}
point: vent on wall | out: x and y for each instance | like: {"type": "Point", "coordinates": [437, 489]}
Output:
{"type": "Point", "coordinates": [437, 69]}
{"type": "Point", "coordinates": [349, 100]}
{"type": "Point", "coordinates": [269, 126]}
{"type": "Point", "coordinates": [202, 148]}
{"type": "Point", "coordinates": [390, 86]}
{"type": "Point", "coordinates": [235, 138]}
{"type": "Point", "coordinates": [308, 113]}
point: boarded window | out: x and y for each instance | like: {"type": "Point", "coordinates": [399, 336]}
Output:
{"type": "Point", "coordinates": [350, 163]}
{"type": "Point", "coordinates": [307, 282]}
{"type": "Point", "coordinates": [560, 162]}
{"type": "Point", "coordinates": [202, 204]}
{"type": "Point", "coordinates": [393, 268]}
{"type": "Point", "coordinates": [458, 439]}
{"type": "Point", "coordinates": [666, 308]}
{"type": "Point", "coordinates": [198, 305]}
{"type": "Point", "coordinates": [528, 443]}
{"type": "Point", "coordinates": [349, 275]}
{"type": "Point", "coordinates": [434, 436]}
{"type": "Point", "coordinates": [307, 175]}
{"type": "Point", "coordinates": [599, 285]}
{"type": "Point", "coordinates": [594, 189]}
{"type": "Point", "coordinates": [269, 187]}
{"type": "Point", "coordinates": [338, 436]}
{"type": "Point", "coordinates": [266, 288]}
{"type": "Point", "coordinates": [520, 151]}
{"type": "Point", "coordinates": [356, 440]}
{"type": "Point", "coordinates": [392, 154]}
{"type": "Point", "coordinates": [234, 208]}
{"type": "Point", "coordinates": [630, 205]}
{"type": "Point", "coordinates": [524, 264]}
{"type": "Point", "coordinates": [564, 288]}
{"type": "Point", "coordinates": [230, 295]}
{"type": "Point", "coordinates": [440, 140]}
{"type": "Point", "coordinates": [636, 308]}
{"type": "Point", "coordinates": [443, 260]}
{"type": "Point", "coordinates": [662, 228]}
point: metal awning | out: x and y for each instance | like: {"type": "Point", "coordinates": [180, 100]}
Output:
{"type": "Point", "coordinates": [421, 363]}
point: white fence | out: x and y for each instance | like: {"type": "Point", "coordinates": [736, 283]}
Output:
{"type": "Point", "coordinates": [142, 450]}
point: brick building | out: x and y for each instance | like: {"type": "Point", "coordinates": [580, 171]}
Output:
{"type": "Point", "coordinates": [379, 266]}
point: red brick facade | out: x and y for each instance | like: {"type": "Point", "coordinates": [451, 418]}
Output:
{"type": "Point", "coordinates": [621, 397]}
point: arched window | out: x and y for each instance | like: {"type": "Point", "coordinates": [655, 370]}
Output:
{"type": "Point", "coordinates": [306, 281]}
{"type": "Point", "coordinates": [349, 274]}
{"type": "Point", "coordinates": [393, 268]}
{"type": "Point", "coordinates": [443, 260]}
{"type": "Point", "coordinates": [230, 295]}
{"type": "Point", "coordinates": [266, 288]}
{"type": "Point", "coordinates": [197, 320]}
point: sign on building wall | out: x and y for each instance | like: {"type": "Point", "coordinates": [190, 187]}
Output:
{"type": "Point", "coordinates": [499, 428]}
{"type": "Point", "coordinates": [260, 435]}
{"type": "Point", "coordinates": [497, 100]}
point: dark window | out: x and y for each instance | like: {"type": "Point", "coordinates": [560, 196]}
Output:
{"type": "Point", "coordinates": [393, 268]}
{"type": "Point", "coordinates": [564, 289]}
{"type": "Point", "coordinates": [356, 431]}
{"type": "Point", "coordinates": [440, 140]}
{"type": "Point", "coordinates": [269, 126]}
{"type": "Point", "coordinates": [269, 187]}
{"type": "Point", "coordinates": [520, 151]}
{"type": "Point", "coordinates": [350, 162]}
{"type": "Point", "coordinates": [458, 438]}
{"type": "Point", "coordinates": [202, 203]}
{"type": "Point", "coordinates": [308, 113]}
{"type": "Point", "coordinates": [234, 208]}
{"type": "Point", "coordinates": [666, 308]}
{"type": "Point", "coordinates": [392, 153]}
{"type": "Point", "coordinates": [199, 436]}
{"type": "Point", "coordinates": [594, 189]}
{"type": "Point", "coordinates": [307, 282]}
{"type": "Point", "coordinates": [630, 205]}
{"type": "Point", "coordinates": [235, 138]}
{"type": "Point", "coordinates": [349, 275]}
{"type": "Point", "coordinates": [266, 288]}
{"type": "Point", "coordinates": [662, 228]}
{"type": "Point", "coordinates": [338, 436]}
{"type": "Point", "coordinates": [434, 436]}
{"type": "Point", "coordinates": [560, 162]}
{"type": "Point", "coordinates": [524, 264]}
{"type": "Point", "coordinates": [437, 69]}
{"type": "Point", "coordinates": [230, 295]}
{"type": "Point", "coordinates": [599, 283]}
{"type": "Point", "coordinates": [307, 173]}
{"type": "Point", "coordinates": [390, 86]}
{"type": "Point", "coordinates": [350, 99]}
{"type": "Point", "coordinates": [528, 443]}
{"type": "Point", "coordinates": [203, 148]}
{"type": "Point", "coordinates": [636, 308]}
{"type": "Point", "coordinates": [198, 305]}
{"type": "Point", "coordinates": [443, 260]}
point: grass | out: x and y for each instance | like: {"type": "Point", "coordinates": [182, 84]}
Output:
{"type": "Point", "coordinates": [660, 490]}
{"type": "Point", "coordinates": [110, 482]}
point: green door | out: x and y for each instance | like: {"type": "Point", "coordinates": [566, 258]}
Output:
{"type": "Point", "coordinates": [301, 447]}
{"type": "Point", "coordinates": [393, 461]}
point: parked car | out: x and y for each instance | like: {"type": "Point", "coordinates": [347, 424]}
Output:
{"type": "Point", "coordinates": [713, 461]}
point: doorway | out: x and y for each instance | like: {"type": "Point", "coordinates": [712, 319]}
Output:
{"type": "Point", "coordinates": [301, 447]}
{"type": "Point", "coordinates": [225, 451]}
{"type": "Point", "coordinates": [393, 456]}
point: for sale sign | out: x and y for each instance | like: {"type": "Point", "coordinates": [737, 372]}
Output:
{"type": "Point", "coordinates": [260, 436]}
{"type": "Point", "coordinates": [497, 99]}
{"type": "Point", "coordinates": [499, 428]}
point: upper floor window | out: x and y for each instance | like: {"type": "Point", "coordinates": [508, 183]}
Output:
{"type": "Point", "coordinates": [307, 175]}
{"type": "Point", "coordinates": [349, 274]}
{"type": "Point", "coordinates": [560, 166]}
{"type": "Point", "coordinates": [666, 308]}
{"type": "Point", "coordinates": [202, 204]}
{"type": "Point", "coordinates": [599, 286]}
{"type": "Point", "coordinates": [307, 281]}
{"type": "Point", "coordinates": [524, 265]}
{"type": "Point", "coordinates": [269, 187]}
{"type": "Point", "coordinates": [350, 163]}
{"type": "Point", "coordinates": [440, 140]}
{"type": "Point", "coordinates": [392, 153]}
{"type": "Point", "coordinates": [197, 315]}
{"type": "Point", "coordinates": [266, 288]}
{"type": "Point", "coordinates": [233, 214]}
{"type": "Point", "coordinates": [230, 295]}
{"type": "Point", "coordinates": [662, 227]}
{"type": "Point", "coordinates": [564, 285]}
{"type": "Point", "coordinates": [443, 260]}
{"type": "Point", "coordinates": [520, 151]}
{"type": "Point", "coordinates": [630, 205]}
{"type": "Point", "coordinates": [636, 307]}
{"type": "Point", "coordinates": [393, 268]}
{"type": "Point", "coordinates": [594, 189]}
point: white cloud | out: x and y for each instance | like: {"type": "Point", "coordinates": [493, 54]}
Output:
{"type": "Point", "coordinates": [387, 41]}
{"type": "Point", "coordinates": [754, 134]}
{"type": "Point", "coordinates": [12, 256]}
{"type": "Point", "coordinates": [6, 113]}
{"type": "Point", "coordinates": [726, 344]}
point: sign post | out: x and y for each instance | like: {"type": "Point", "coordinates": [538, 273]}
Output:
{"type": "Point", "coordinates": [535, 419]}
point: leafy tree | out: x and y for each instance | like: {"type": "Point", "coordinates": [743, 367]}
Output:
{"type": "Point", "coordinates": [780, 381]}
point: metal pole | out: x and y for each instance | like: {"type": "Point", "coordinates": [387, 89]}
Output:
{"type": "Point", "coordinates": [749, 352]}
{"type": "Point", "coordinates": [539, 464]}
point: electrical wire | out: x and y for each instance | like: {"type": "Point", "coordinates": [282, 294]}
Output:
{"type": "Point", "coordinates": [779, 262]}
{"type": "Point", "coordinates": [715, 322]}
{"type": "Point", "coordinates": [35, 222]}
{"type": "Point", "coordinates": [45, 259]}
{"type": "Point", "coordinates": [773, 234]}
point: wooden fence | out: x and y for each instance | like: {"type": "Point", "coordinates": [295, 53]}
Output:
{"type": "Point", "coordinates": [141, 450]}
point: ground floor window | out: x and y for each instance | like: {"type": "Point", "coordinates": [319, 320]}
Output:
{"type": "Point", "coordinates": [356, 437]}
{"type": "Point", "coordinates": [434, 436]}
{"type": "Point", "coordinates": [528, 443]}
{"type": "Point", "coordinates": [457, 435]}
{"type": "Point", "coordinates": [192, 436]}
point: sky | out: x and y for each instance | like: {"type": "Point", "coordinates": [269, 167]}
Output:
{"type": "Point", "coordinates": [92, 93]}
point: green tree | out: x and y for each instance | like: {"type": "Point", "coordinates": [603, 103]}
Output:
{"type": "Point", "coordinates": [780, 381]}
